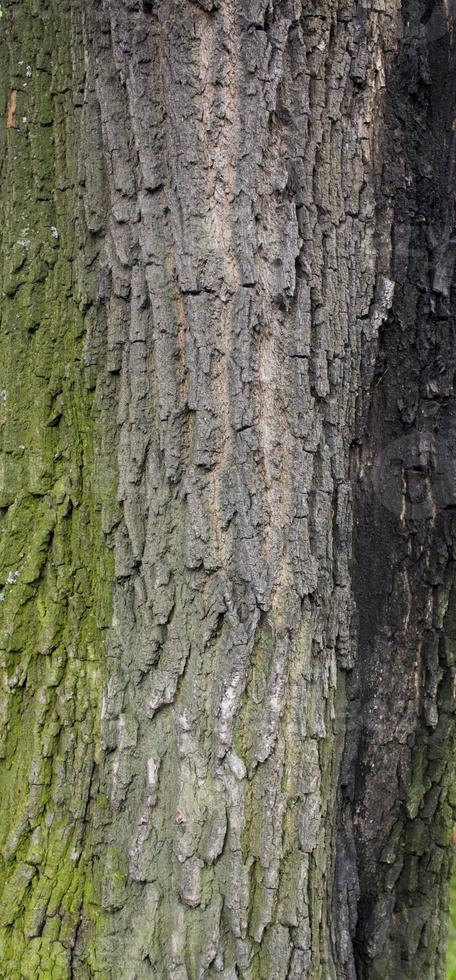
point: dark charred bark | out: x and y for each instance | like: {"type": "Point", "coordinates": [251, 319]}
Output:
{"type": "Point", "coordinates": [398, 769]}
{"type": "Point", "coordinates": [228, 653]}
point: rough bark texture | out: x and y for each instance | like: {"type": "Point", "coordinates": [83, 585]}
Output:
{"type": "Point", "coordinates": [55, 571]}
{"type": "Point", "coordinates": [228, 627]}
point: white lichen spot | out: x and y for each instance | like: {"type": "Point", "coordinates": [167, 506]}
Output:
{"type": "Point", "coordinates": [236, 765]}
{"type": "Point", "coordinates": [54, 231]}
{"type": "Point", "coordinates": [14, 680]}
{"type": "Point", "coordinates": [24, 119]}
{"type": "Point", "coordinates": [2, 596]}
{"type": "Point", "coordinates": [12, 577]}
{"type": "Point", "coordinates": [152, 771]}
{"type": "Point", "coordinates": [28, 71]}
{"type": "Point", "coordinates": [3, 394]}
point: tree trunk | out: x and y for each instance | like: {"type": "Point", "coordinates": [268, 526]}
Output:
{"type": "Point", "coordinates": [228, 488]}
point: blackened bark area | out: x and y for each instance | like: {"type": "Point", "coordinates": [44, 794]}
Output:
{"type": "Point", "coordinates": [398, 770]}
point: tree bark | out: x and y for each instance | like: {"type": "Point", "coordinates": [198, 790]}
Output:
{"type": "Point", "coordinates": [227, 489]}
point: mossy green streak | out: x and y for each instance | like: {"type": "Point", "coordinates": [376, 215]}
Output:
{"type": "Point", "coordinates": [54, 570]}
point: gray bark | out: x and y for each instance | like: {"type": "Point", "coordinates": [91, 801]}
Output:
{"type": "Point", "coordinates": [263, 259]}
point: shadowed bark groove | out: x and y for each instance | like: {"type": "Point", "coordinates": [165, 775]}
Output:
{"type": "Point", "coordinates": [257, 255]}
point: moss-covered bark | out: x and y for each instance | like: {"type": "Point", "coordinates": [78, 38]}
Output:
{"type": "Point", "coordinates": [226, 750]}
{"type": "Point", "coordinates": [54, 571]}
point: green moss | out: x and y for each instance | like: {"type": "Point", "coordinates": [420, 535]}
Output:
{"type": "Point", "coordinates": [55, 571]}
{"type": "Point", "coordinates": [451, 959]}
